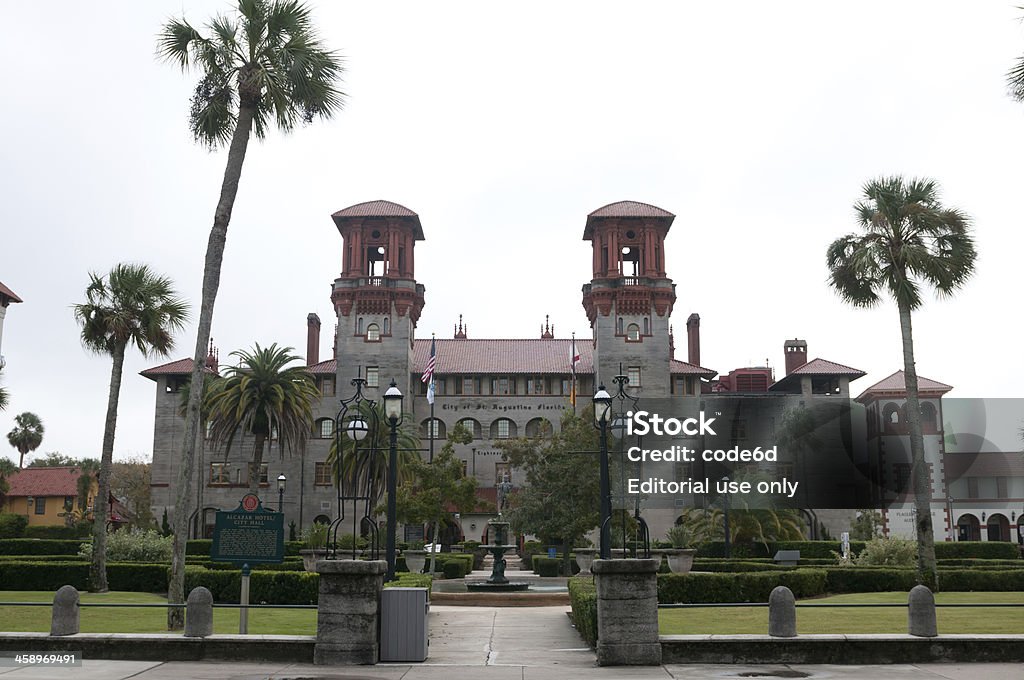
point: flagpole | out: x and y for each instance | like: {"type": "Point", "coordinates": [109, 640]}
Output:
{"type": "Point", "coordinates": [433, 339]}
{"type": "Point", "coordinates": [572, 361]}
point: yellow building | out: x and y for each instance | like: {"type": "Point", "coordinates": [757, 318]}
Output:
{"type": "Point", "coordinates": [45, 494]}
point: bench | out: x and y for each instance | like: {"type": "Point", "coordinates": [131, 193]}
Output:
{"type": "Point", "coordinates": [787, 558]}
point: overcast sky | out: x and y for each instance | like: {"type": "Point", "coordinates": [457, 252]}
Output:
{"type": "Point", "coordinates": [502, 126]}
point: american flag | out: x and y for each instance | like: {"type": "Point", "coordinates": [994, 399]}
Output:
{"type": "Point", "coordinates": [428, 372]}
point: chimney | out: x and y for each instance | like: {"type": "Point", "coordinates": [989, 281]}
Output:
{"type": "Point", "coordinates": [796, 354]}
{"type": "Point", "coordinates": [693, 339]}
{"type": "Point", "coordinates": [312, 339]}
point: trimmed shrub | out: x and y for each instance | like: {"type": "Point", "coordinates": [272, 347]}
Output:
{"type": "Point", "coordinates": [265, 587]}
{"type": "Point", "coordinates": [30, 575]}
{"type": "Point", "coordinates": [547, 566]}
{"type": "Point", "coordinates": [137, 578]}
{"type": "Point", "coordinates": [808, 549]}
{"type": "Point", "coordinates": [964, 580]}
{"type": "Point", "coordinates": [888, 552]}
{"type": "Point", "coordinates": [700, 564]}
{"type": "Point", "coordinates": [583, 599]}
{"type": "Point", "coordinates": [12, 525]}
{"type": "Point", "coordinates": [983, 564]}
{"type": "Point", "coordinates": [990, 550]}
{"type": "Point", "coordinates": [740, 587]}
{"type": "Point", "coordinates": [79, 531]}
{"type": "Point", "coordinates": [38, 546]}
{"type": "Point", "coordinates": [408, 580]}
{"type": "Point", "coordinates": [869, 579]}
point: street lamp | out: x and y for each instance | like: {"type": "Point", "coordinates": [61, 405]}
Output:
{"type": "Point", "coordinates": [602, 414]}
{"type": "Point", "coordinates": [281, 479]}
{"type": "Point", "coordinates": [393, 412]}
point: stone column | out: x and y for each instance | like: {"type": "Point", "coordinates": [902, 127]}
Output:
{"type": "Point", "coordinates": [199, 613]}
{"type": "Point", "coordinates": [781, 612]}
{"type": "Point", "coordinates": [64, 619]}
{"type": "Point", "coordinates": [348, 612]}
{"type": "Point", "coordinates": [627, 612]}
{"type": "Point", "coordinates": [921, 612]}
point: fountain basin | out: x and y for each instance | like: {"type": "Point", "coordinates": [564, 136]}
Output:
{"type": "Point", "coordinates": [488, 587]}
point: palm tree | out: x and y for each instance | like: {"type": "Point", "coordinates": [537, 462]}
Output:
{"type": "Point", "coordinates": [4, 398]}
{"type": "Point", "coordinates": [27, 435]}
{"type": "Point", "coordinates": [908, 241]}
{"type": "Point", "coordinates": [266, 63]}
{"type": "Point", "coordinates": [265, 397]}
{"type": "Point", "coordinates": [130, 306]}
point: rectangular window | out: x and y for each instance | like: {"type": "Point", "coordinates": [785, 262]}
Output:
{"type": "Point", "coordinates": [326, 430]}
{"type": "Point", "coordinates": [264, 469]}
{"type": "Point", "coordinates": [1001, 490]}
{"type": "Point", "coordinates": [322, 474]}
{"type": "Point", "coordinates": [40, 505]}
{"type": "Point", "coordinates": [209, 429]}
{"type": "Point", "coordinates": [972, 487]}
{"type": "Point", "coordinates": [469, 385]}
{"type": "Point", "coordinates": [220, 473]}
{"type": "Point", "coordinates": [465, 468]}
{"type": "Point", "coordinates": [566, 385]}
{"type": "Point", "coordinates": [327, 387]}
{"type": "Point", "coordinates": [502, 472]}
{"type": "Point", "coordinates": [633, 373]}
{"type": "Point", "coordinates": [903, 478]}
{"type": "Point", "coordinates": [439, 386]}
{"type": "Point", "coordinates": [503, 385]}
{"type": "Point", "coordinates": [432, 429]}
{"type": "Point", "coordinates": [372, 376]}
{"type": "Point", "coordinates": [503, 429]}
{"type": "Point", "coordinates": [739, 430]}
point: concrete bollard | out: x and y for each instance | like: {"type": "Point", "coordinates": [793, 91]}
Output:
{"type": "Point", "coordinates": [782, 612]}
{"type": "Point", "coordinates": [199, 613]}
{"type": "Point", "coordinates": [348, 611]}
{"type": "Point", "coordinates": [921, 612]}
{"type": "Point", "coordinates": [65, 612]}
{"type": "Point", "coordinates": [627, 612]}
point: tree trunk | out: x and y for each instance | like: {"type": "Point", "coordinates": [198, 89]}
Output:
{"type": "Point", "coordinates": [100, 506]}
{"type": "Point", "coordinates": [434, 542]}
{"type": "Point", "coordinates": [926, 566]}
{"type": "Point", "coordinates": [211, 282]}
{"type": "Point", "coordinates": [254, 465]}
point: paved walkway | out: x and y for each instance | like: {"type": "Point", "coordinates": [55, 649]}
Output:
{"type": "Point", "coordinates": [503, 643]}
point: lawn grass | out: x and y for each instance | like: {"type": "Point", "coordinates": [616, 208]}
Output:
{"type": "Point", "coordinates": [144, 620]}
{"type": "Point", "coordinates": [754, 620]}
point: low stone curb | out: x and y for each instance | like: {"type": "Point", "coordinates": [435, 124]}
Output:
{"type": "Point", "coordinates": [168, 646]}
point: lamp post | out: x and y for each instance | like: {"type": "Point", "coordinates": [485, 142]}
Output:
{"type": "Point", "coordinates": [393, 412]}
{"type": "Point", "coordinates": [281, 479]}
{"type": "Point", "coordinates": [728, 546]}
{"type": "Point", "coordinates": [602, 414]}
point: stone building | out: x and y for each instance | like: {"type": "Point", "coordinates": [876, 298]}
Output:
{"type": "Point", "coordinates": [505, 388]}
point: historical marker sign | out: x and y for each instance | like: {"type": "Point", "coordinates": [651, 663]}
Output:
{"type": "Point", "coordinates": [248, 534]}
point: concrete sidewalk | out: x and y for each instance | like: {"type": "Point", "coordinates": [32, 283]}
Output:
{"type": "Point", "coordinates": [500, 643]}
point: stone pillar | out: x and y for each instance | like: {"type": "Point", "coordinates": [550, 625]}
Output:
{"type": "Point", "coordinates": [348, 612]}
{"type": "Point", "coordinates": [199, 613]}
{"type": "Point", "coordinates": [65, 612]}
{"type": "Point", "coordinates": [781, 612]}
{"type": "Point", "coordinates": [921, 612]}
{"type": "Point", "coordinates": [627, 612]}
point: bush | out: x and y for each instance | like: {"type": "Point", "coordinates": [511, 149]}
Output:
{"type": "Point", "coordinates": [974, 562]}
{"type": "Point", "coordinates": [136, 545]}
{"type": "Point", "coordinates": [408, 580]}
{"type": "Point", "coordinates": [869, 579]}
{"type": "Point", "coordinates": [583, 599]}
{"type": "Point", "coordinates": [547, 566]}
{"type": "Point", "coordinates": [79, 531]}
{"type": "Point", "coordinates": [740, 565]}
{"type": "Point", "coordinates": [990, 550]}
{"type": "Point", "coordinates": [964, 580]}
{"type": "Point", "coordinates": [12, 525]}
{"type": "Point", "coordinates": [741, 587]}
{"type": "Point", "coordinates": [269, 587]}
{"type": "Point", "coordinates": [38, 546]}
{"type": "Point", "coordinates": [888, 552]}
{"type": "Point", "coordinates": [32, 575]}
{"type": "Point", "coordinates": [138, 578]}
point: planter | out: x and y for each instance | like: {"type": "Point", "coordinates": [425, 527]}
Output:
{"type": "Point", "coordinates": [584, 558]}
{"type": "Point", "coordinates": [415, 560]}
{"type": "Point", "coordinates": [309, 557]}
{"type": "Point", "coordinates": [680, 561]}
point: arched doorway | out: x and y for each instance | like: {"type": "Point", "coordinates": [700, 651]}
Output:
{"type": "Point", "coordinates": [968, 528]}
{"type": "Point", "coordinates": [998, 527]}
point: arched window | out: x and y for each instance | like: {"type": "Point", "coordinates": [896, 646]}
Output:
{"type": "Point", "coordinates": [359, 326]}
{"type": "Point", "coordinates": [472, 425]}
{"type": "Point", "coordinates": [503, 428]}
{"type": "Point", "coordinates": [321, 519]}
{"type": "Point", "coordinates": [633, 333]}
{"type": "Point", "coordinates": [891, 417]}
{"type": "Point", "coordinates": [387, 326]}
{"type": "Point", "coordinates": [324, 428]}
{"type": "Point", "coordinates": [647, 326]}
{"type": "Point", "coordinates": [929, 419]}
{"type": "Point", "coordinates": [432, 429]}
{"type": "Point", "coordinates": [373, 333]}
{"type": "Point", "coordinates": [538, 428]}
{"type": "Point", "coordinates": [618, 326]}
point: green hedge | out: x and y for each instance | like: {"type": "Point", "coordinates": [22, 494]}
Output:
{"type": "Point", "coordinates": [741, 587]}
{"type": "Point", "coordinates": [717, 565]}
{"type": "Point", "coordinates": [265, 587]}
{"type": "Point", "coordinates": [966, 580]}
{"type": "Point", "coordinates": [989, 550]}
{"type": "Point", "coordinates": [31, 575]}
{"type": "Point", "coordinates": [80, 532]}
{"type": "Point", "coordinates": [975, 562]}
{"type": "Point", "coordinates": [547, 566]}
{"type": "Point", "coordinates": [870, 579]}
{"type": "Point", "coordinates": [583, 599]}
{"type": "Point", "coordinates": [408, 580]}
{"type": "Point", "coordinates": [12, 525]}
{"type": "Point", "coordinates": [38, 546]}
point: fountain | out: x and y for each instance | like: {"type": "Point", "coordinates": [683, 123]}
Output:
{"type": "Point", "coordinates": [497, 583]}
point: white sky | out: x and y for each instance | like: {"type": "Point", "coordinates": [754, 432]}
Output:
{"type": "Point", "coordinates": [503, 126]}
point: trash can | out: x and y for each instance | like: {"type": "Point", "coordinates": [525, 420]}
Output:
{"type": "Point", "coordinates": [552, 553]}
{"type": "Point", "coordinates": [403, 624]}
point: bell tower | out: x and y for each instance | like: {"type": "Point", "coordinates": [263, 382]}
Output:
{"type": "Point", "coordinates": [629, 300]}
{"type": "Point", "coordinates": [376, 298]}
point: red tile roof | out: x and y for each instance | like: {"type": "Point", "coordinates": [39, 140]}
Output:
{"type": "Point", "coordinates": [44, 481]}
{"type": "Point", "coordinates": [895, 385]}
{"type": "Point", "coordinates": [959, 465]}
{"type": "Point", "coordinates": [179, 367]}
{"type": "Point", "coordinates": [677, 367]}
{"type": "Point", "coordinates": [329, 367]}
{"type": "Point", "coordinates": [627, 209]}
{"type": "Point", "coordinates": [378, 209]}
{"type": "Point", "coordinates": [504, 356]}
{"type": "Point", "coordinates": [826, 367]}
{"type": "Point", "coordinates": [7, 292]}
